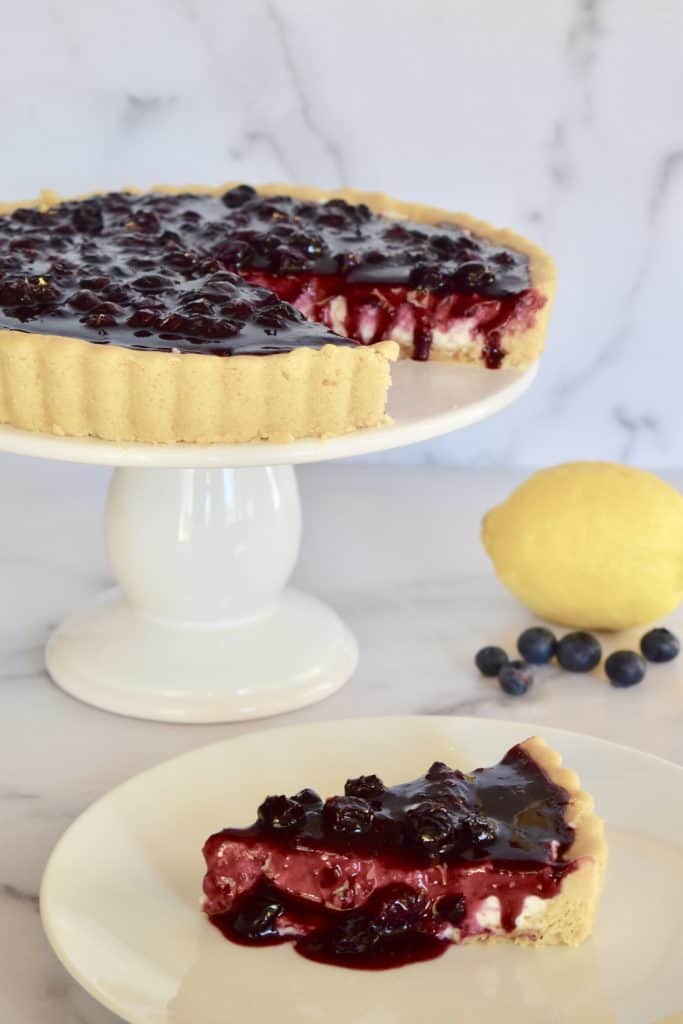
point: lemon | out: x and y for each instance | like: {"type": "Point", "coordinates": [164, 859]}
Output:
{"type": "Point", "coordinates": [591, 544]}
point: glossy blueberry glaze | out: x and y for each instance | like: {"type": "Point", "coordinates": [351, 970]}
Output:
{"type": "Point", "coordinates": [142, 272]}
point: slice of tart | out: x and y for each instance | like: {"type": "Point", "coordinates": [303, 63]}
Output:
{"type": "Point", "coordinates": [388, 875]}
{"type": "Point", "coordinates": [114, 309]}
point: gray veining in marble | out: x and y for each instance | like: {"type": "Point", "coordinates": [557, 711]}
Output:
{"type": "Point", "coordinates": [561, 119]}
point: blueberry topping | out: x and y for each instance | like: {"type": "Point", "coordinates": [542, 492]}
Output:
{"type": "Point", "coordinates": [537, 645]}
{"type": "Point", "coordinates": [238, 196]}
{"type": "Point", "coordinates": [430, 828]}
{"type": "Point", "coordinates": [365, 786]}
{"type": "Point", "coordinates": [256, 918]}
{"type": "Point", "coordinates": [281, 814]}
{"type": "Point", "coordinates": [579, 652]}
{"type": "Point", "coordinates": [515, 678]}
{"type": "Point", "coordinates": [348, 815]}
{"type": "Point", "coordinates": [490, 660]}
{"type": "Point", "coordinates": [439, 771]}
{"type": "Point", "coordinates": [625, 668]}
{"type": "Point", "coordinates": [127, 248]}
{"type": "Point", "coordinates": [477, 831]}
{"type": "Point", "coordinates": [308, 798]}
{"type": "Point", "coordinates": [660, 645]}
{"type": "Point", "coordinates": [396, 908]}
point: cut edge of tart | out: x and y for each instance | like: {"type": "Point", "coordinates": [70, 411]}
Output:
{"type": "Point", "coordinates": [73, 386]}
{"type": "Point", "coordinates": [569, 917]}
{"type": "Point", "coordinates": [359, 904]}
{"type": "Point", "coordinates": [522, 345]}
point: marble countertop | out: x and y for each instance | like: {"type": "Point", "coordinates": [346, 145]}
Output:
{"type": "Point", "coordinates": [394, 549]}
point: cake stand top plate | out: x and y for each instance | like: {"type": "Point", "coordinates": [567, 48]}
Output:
{"type": "Point", "coordinates": [426, 400]}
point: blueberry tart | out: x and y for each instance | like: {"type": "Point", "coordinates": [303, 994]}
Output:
{"type": "Point", "coordinates": [384, 875]}
{"type": "Point", "coordinates": [232, 314]}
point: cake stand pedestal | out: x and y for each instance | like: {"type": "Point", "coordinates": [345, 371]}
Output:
{"type": "Point", "coordinates": [203, 539]}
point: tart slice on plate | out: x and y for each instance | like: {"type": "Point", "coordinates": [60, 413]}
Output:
{"type": "Point", "coordinates": [386, 875]}
{"type": "Point", "coordinates": [143, 317]}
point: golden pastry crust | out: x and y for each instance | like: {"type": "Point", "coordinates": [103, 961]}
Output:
{"type": "Point", "coordinates": [71, 387]}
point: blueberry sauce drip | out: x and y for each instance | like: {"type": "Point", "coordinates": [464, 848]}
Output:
{"type": "Point", "coordinates": [385, 933]}
{"type": "Point", "coordinates": [149, 272]}
{"type": "Point", "coordinates": [425, 836]}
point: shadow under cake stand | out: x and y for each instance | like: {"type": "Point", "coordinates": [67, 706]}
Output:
{"type": "Point", "coordinates": [203, 538]}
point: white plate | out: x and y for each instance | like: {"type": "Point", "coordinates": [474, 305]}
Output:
{"type": "Point", "coordinates": [120, 897]}
{"type": "Point", "coordinates": [425, 401]}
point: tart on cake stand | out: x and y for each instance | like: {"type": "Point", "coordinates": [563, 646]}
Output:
{"type": "Point", "coordinates": [203, 538]}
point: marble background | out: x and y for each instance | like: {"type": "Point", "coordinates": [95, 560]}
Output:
{"type": "Point", "coordinates": [561, 119]}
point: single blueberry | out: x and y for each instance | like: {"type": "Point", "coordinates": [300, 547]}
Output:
{"type": "Point", "coordinates": [579, 652]}
{"type": "Point", "coordinates": [348, 815]}
{"type": "Point", "coordinates": [257, 916]}
{"type": "Point", "coordinates": [281, 814]}
{"type": "Point", "coordinates": [365, 786]}
{"type": "Point", "coordinates": [238, 196]}
{"type": "Point", "coordinates": [660, 645]}
{"type": "Point", "coordinates": [490, 660]}
{"type": "Point", "coordinates": [430, 828]}
{"type": "Point", "coordinates": [625, 668]}
{"type": "Point", "coordinates": [308, 798]}
{"type": "Point", "coordinates": [537, 645]}
{"type": "Point", "coordinates": [515, 678]}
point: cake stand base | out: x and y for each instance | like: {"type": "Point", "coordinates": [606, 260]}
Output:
{"type": "Point", "coordinates": [203, 540]}
{"type": "Point", "coordinates": [298, 654]}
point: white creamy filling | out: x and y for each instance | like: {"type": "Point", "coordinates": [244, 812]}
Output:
{"type": "Point", "coordinates": [488, 914]}
{"type": "Point", "coordinates": [338, 310]}
{"type": "Point", "coordinates": [458, 337]}
{"type": "Point", "coordinates": [532, 905]}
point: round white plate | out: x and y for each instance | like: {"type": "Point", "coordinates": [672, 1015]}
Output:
{"type": "Point", "coordinates": [121, 894]}
{"type": "Point", "coordinates": [425, 400]}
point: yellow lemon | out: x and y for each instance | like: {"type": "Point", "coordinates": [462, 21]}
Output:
{"type": "Point", "coordinates": [591, 544]}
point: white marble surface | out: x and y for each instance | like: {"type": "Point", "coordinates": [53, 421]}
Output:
{"type": "Point", "coordinates": [561, 119]}
{"type": "Point", "coordinates": [395, 550]}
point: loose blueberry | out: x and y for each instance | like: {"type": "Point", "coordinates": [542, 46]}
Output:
{"type": "Point", "coordinates": [537, 645]}
{"type": "Point", "coordinates": [660, 645]}
{"type": "Point", "coordinates": [625, 668]}
{"type": "Point", "coordinates": [579, 652]}
{"type": "Point", "coordinates": [515, 678]}
{"type": "Point", "coordinates": [490, 660]}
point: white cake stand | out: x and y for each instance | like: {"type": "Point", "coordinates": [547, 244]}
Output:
{"type": "Point", "coordinates": [203, 539]}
